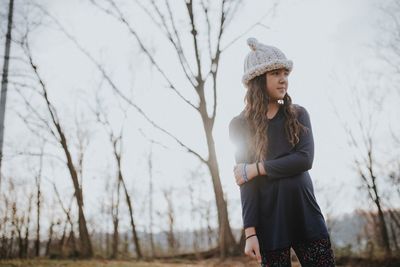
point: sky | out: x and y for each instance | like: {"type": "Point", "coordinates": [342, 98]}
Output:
{"type": "Point", "coordinates": [328, 41]}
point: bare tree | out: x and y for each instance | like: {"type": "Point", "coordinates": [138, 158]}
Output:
{"type": "Point", "coordinates": [193, 208]}
{"type": "Point", "coordinates": [64, 241]}
{"type": "Point", "coordinates": [6, 225]}
{"type": "Point", "coordinates": [172, 241]}
{"type": "Point", "coordinates": [21, 221]}
{"type": "Point", "coordinates": [197, 207]}
{"type": "Point", "coordinates": [4, 228]}
{"type": "Point", "coordinates": [386, 48]}
{"type": "Point", "coordinates": [369, 177]}
{"type": "Point", "coordinates": [50, 238]}
{"type": "Point", "coordinates": [371, 167]}
{"type": "Point", "coordinates": [60, 136]}
{"type": "Point", "coordinates": [4, 79]}
{"type": "Point", "coordinates": [375, 169]}
{"type": "Point", "coordinates": [104, 233]}
{"type": "Point", "coordinates": [151, 223]}
{"type": "Point", "coordinates": [27, 224]}
{"type": "Point", "coordinates": [361, 137]}
{"type": "Point", "coordinates": [115, 219]}
{"type": "Point", "coordinates": [106, 211]}
{"type": "Point", "coordinates": [164, 20]}
{"type": "Point", "coordinates": [117, 148]}
{"type": "Point", "coordinates": [38, 203]}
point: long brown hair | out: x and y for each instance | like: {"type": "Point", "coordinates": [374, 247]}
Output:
{"type": "Point", "coordinates": [256, 109]}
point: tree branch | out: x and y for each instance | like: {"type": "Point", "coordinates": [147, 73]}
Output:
{"type": "Point", "coordinates": [115, 88]}
{"type": "Point", "coordinates": [189, 7]}
{"type": "Point", "coordinates": [122, 18]}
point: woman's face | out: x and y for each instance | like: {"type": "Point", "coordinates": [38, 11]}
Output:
{"type": "Point", "coordinates": [277, 83]}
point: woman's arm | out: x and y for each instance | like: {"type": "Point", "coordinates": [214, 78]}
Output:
{"type": "Point", "coordinates": [248, 191]}
{"type": "Point", "coordinates": [298, 161]}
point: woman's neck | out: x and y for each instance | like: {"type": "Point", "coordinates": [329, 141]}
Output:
{"type": "Point", "coordinates": [273, 106]}
{"type": "Point", "coordinates": [272, 109]}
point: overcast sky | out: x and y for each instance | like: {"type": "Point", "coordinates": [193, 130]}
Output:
{"type": "Point", "coordinates": [327, 41]}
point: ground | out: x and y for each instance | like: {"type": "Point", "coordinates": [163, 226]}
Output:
{"type": "Point", "coordinates": [235, 262]}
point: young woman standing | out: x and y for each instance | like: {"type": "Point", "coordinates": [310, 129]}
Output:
{"type": "Point", "coordinates": [275, 150]}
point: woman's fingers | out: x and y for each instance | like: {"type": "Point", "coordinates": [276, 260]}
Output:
{"type": "Point", "coordinates": [258, 255]}
{"type": "Point", "coordinates": [238, 174]}
{"type": "Point", "coordinates": [252, 249]}
{"type": "Point", "coordinates": [254, 254]}
{"type": "Point", "coordinates": [249, 252]}
{"type": "Point", "coordinates": [239, 179]}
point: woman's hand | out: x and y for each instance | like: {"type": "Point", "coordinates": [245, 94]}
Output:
{"type": "Point", "coordinates": [238, 171]}
{"type": "Point", "coordinates": [252, 248]}
{"type": "Point", "coordinates": [251, 171]}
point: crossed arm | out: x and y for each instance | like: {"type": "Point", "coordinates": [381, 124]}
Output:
{"type": "Point", "coordinates": [295, 162]}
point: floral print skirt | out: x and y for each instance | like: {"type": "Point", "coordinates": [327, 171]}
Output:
{"type": "Point", "coordinates": [315, 253]}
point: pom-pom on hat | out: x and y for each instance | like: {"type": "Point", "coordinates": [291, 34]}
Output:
{"type": "Point", "coordinates": [263, 58]}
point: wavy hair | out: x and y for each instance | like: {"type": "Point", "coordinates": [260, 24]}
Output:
{"type": "Point", "coordinates": [256, 108]}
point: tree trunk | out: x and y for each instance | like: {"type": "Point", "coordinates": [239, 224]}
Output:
{"type": "Point", "coordinates": [28, 220]}
{"type": "Point", "coordinates": [115, 219]}
{"type": "Point", "coordinates": [37, 243]}
{"type": "Point", "coordinates": [129, 203]}
{"type": "Point", "coordinates": [86, 245]}
{"type": "Point", "coordinates": [4, 80]}
{"type": "Point", "coordinates": [381, 216]}
{"type": "Point", "coordinates": [63, 240]}
{"type": "Point", "coordinates": [394, 236]}
{"type": "Point", "coordinates": [20, 244]}
{"type": "Point", "coordinates": [150, 162]}
{"type": "Point", "coordinates": [114, 253]}
{"type": "Point", "coordinates": [382, 223]}
{"type": "Point", "coordinates": [133, 226]}
{"type": "Point", "coordinates": [49, 240]}
{"type": "Point", "coordinates": [172, 242]}
{"type": "Point", "coordinates": [38, 205]}
{"type": "Point", "coordinates": [126, 244]}
{"type": "Point", "coordinates": [227, 243]}
{"type": "Point", "coordinates": [4, 240]}
{"type": "Point", "coordinates": [71, 242]}
{"type": "Point", "coordinates": [11, 246]}
{"type": "Point", "coordinates": [107, 242]}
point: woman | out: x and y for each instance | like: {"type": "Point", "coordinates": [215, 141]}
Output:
{"type": "Point", "coordinates": [275, 150]}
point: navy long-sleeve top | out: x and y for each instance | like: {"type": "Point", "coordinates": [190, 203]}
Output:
{"type": "Point", "coordinates": [280, 205]}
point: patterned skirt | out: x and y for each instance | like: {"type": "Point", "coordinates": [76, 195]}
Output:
{"type": "Point", "coordinates": [315, 253]}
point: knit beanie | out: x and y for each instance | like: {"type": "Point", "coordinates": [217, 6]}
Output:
{"type": "Point", "coordinates": [263, 58]}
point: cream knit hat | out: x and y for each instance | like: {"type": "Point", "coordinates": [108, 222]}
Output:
{"type": "Point", "coordinates": [261, 59]}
